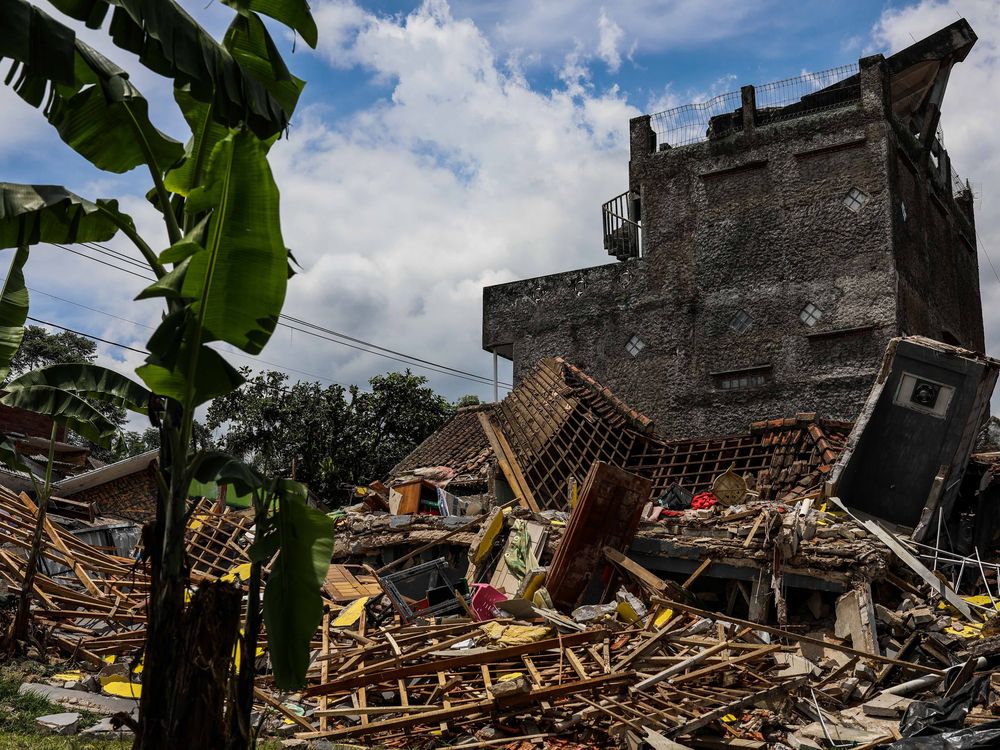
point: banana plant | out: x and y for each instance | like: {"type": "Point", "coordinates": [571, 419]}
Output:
{"type": "Point", "coordinates": [222, 279]}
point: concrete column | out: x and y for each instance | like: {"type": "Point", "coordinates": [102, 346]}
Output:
{"type": "Point", "coordinates": [876, 96]}
{"type": "Point", "coordinates": [496, 380]}
{"type": "Point", "coordinates": [748, 95]}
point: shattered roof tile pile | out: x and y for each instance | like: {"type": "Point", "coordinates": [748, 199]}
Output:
{"type": "Point", "coordinates": [460, 445]}
{"type": "Point", "coordinates": [558, 421]}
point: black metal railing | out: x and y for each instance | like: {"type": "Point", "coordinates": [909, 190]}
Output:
{"type": "Point", "coordinates": [622, 235]}
{"type": "Point", "coordinates": [776, 101]}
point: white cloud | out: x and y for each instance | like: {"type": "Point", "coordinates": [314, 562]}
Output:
{"type": "Point", "coordinates": [610, 36]}
{"type": "Point", "coordinates": [554, 27]}
{"type": "Point", "coordinates": [463, 177]}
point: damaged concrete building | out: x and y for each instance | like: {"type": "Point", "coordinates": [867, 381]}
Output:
{"type": "Point", "coordinates": [770, 243]}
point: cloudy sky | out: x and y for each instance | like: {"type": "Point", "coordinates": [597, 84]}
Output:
{"type": "Point", "coordinates": [440, 147]}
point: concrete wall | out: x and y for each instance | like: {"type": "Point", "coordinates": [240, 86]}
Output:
{"type": "Point", "coordinates": [754, 222]}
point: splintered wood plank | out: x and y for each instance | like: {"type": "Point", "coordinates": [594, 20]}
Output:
{"type": "Point", "coordinates": [508, 463]}
{"type": "Point", "coordinates": [324, 670]}
{"type": "Point", "coordinates": [606, 514]}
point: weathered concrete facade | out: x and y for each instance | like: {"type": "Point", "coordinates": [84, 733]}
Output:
{"type": "Point", "coordinates": [763, 288]}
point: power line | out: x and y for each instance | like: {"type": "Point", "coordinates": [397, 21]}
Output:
{"type": "Point", "coordinates": [150, 328]}
{"type": "Point", "coordinates": [87, 335]}
{"type": "Point", "coordinates": [98, 260]}
{"type": "Point", "coordinates": [375, 349]}
{"type": "Point", "coordinates": [382, 348]}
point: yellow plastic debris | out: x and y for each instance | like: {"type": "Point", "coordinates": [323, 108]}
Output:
{"type": "Point", "coordinates": [662, 617]}
{"type": "Point", "coordinates": [510, 676]}
{"type": "Point", "coordinates": [110, 659]}
{"type": "Point", "coordinates": [729, 718]}
{"type": "Point", "coordinates": [351, 613]}
{"type": "Point", "coordinates": [115, 684]}
{"type": "Point", "coordinates": [241, 571]}
{"type": "Point", "coordinates": [69, 676]}
{"type": "Point", "coordinates": [489, 536]}
{"type": "Point", "coordinates": [514, 635]}
{"type": "Point", "coordinates": [532, 582]}
{"type": "Point", "coordinates": [627, 613]}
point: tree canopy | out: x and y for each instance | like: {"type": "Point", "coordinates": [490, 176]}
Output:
{"type": "Point", "coordinates": [331, 437]}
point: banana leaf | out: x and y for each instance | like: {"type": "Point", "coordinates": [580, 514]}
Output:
{"type": "Point", "coordinates": [13, 311]}
{"type": "Point", "coordinates": [171, 43]}
{"type": "Point", "coordinates": [293, 606]}
{"type": "Point", "coordinates": [238, 282]}
{"type": "Point", "coordinates": [30, 214]}
{"type": "Point", "coordinates": [251, 45]}
{"type": "Point", "coordinates": [292, 13]}
{"type": "Point", "coordinates": [87, 98]}
{"type": "Point", "coordinates": [89, 380]}
{"type": "Point", "coordinates": [66, 409]}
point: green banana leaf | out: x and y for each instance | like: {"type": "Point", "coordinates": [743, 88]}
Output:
{"type": "Point", "coordinates": [88, 380]}
{"type": "Point", "coordinates": [292, 13]}
{"type": "Point", "coordinates": [171, 43]}
{"type": "Point", "coordinates": [66, 409]}
{"type": "Point", "coordinates": [105, 123]}
{"type": "Point", "coordinates": [249, 42]}
{"type": "Point", "coordinates": [86, 97]}
{"type": "Point", "coordinates": [30, 214]}
{"type": "Point", "coordinates": [13, 311]}
{"type": "Point", "coordinates": [239, 280]}
{"type": "Point", "coordinates": [213, 377]}
{"type": "Point", "coordinates": [217, 467]}
{"type": "Point", "coordinates": [205, 134]}
{"type": "Point", "coordinates": [293, 605]}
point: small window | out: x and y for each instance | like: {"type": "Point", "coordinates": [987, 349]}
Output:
{"type": "Point", "coordinates": [856, 199]}
{"type": "Point", "coordinates": [635, 345]}
{"type": "Point", "coordinates": [741, 321]}
{"type": "Point", "coordinates": [810, 314]}
{"type": "Point", "coordinates": [738, 380]}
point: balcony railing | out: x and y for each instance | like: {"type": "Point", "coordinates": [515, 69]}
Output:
{"type": "Point", "coordinates": [622, 235]}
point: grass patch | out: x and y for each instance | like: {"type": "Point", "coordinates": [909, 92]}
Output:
{"type": "Point", "coordinates": [37, 742]}
{"type": "Point", "coordinates": [18, 713]}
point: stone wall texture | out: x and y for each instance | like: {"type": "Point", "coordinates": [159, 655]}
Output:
{"type": "Point", "coordinates": [754, 227]}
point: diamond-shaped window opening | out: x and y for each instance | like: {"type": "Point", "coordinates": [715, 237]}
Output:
{"type": "Point", "coordinates": [810, 314]}
{"type": "Point", "coordinates": [635, 345]}
{"type": "Point", "coordinates": [856, 199]}
{"type": "Point", "coordinates": [741, 321]}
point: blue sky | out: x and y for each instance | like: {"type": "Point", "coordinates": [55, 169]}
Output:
{"type": "Point", "coordinates": [440, 147]}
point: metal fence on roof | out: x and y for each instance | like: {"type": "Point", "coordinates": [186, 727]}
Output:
{"type": "Point", "coordinates": [779, 100]}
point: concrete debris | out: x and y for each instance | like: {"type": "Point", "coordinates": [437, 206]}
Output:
{"type": "Point", "coordinates": [66, 724]}
{"type": "Point", "coordinates": [612, 598]}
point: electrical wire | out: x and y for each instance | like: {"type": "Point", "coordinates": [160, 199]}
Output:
{"type": "Point", "coordinates": [342, 339]}
{"type": "Point", "coordinates": [33, 290]}
{"type": "Point", "coordinates": [87, 335]}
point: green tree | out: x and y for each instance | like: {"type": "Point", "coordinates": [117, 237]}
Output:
{"type": "Point", "coordinates": [40, 347]}
{"type": "Point", "coordinates": [470, 399]}
{"type": "Point", "coordinates": [222, 278]}
{"type": "Point", "coordinates": [331, 437]}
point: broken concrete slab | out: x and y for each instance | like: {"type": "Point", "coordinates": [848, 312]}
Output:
{"type": "Point", "coordinates": [886, 706]}
{"type": "Point", "coordinates": [63, 724]}
{"type": "Point", "coordinates": [93, 702]}
{"type": "Point", "coordinates": [856, 619]}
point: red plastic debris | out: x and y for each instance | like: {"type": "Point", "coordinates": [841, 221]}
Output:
{"type": "Point", "coordinates": [704, 500]}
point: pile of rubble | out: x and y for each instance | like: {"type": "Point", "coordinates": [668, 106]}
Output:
{"type": "Point", "coordinates": [548, 572]}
